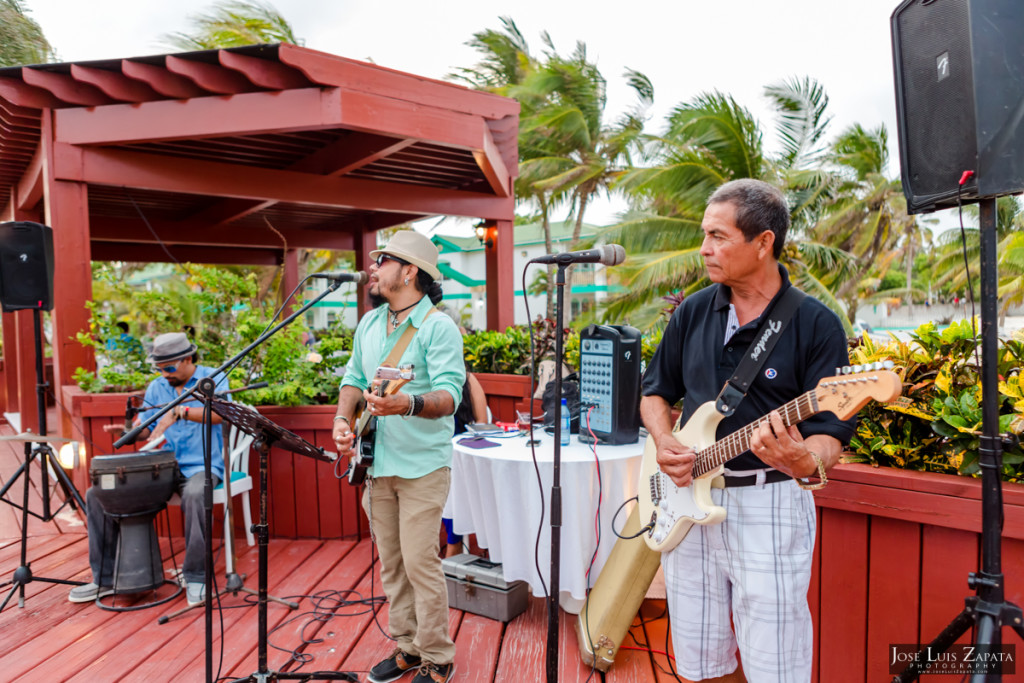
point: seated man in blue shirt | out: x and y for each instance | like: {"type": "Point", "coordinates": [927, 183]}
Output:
{"type": "Point", "coordinates": [175, 357]}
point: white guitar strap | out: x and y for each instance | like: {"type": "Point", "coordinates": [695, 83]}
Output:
{"type": "Point", "coordinates": [768, 334]}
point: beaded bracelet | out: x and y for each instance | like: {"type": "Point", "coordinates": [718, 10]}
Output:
{"type": "Point", "coordinates": [808, 486]}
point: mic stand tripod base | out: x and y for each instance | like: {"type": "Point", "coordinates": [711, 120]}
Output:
{"type": "Point", "coordinates": [235, 584]}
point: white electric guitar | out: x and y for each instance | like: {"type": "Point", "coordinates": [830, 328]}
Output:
{"type": "Point", "coordinates": [673, 510]}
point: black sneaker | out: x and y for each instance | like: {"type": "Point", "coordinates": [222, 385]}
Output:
{"type": "Point", "coordinates": [394, 667]}
{"type": "Point", "coordinates": [434, 673]}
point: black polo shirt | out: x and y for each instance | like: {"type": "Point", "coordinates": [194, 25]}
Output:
{"type": "Point", "coordinates": [693, 363]}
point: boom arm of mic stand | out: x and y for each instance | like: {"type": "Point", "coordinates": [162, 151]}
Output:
{"type": "Point", "coordinates": [130, 437]}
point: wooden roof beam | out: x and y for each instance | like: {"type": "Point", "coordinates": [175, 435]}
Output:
{"type": "Point", "coordinates": [211, 78]}
{"type": "Point", "coordinates": [490, 163]}
{"type": "Point", "coordinates": [22, 94]}
{"type": "Point", "coordinates": [167, 174]}
{"type": "Point", "coordinates": [65, 88]}
{"type": "Point", "coordinates": [268, 112]}
{"type": "Point", "coordinates": [161, 80]}
{"type": "Point", "coordinates": [263, 72]}
{"type": "Point", "coordinates": [154, 253]}
{"type": "Point", "coordinates": [115, 85]}
{"type": "Point", "coordinates": [357, 76]}
{"type": "Point", "coordinates": [29, 191]}
{"type": "Point", "coordinates": [186, 232]}
{"type": "Point", "coordinates": [344, 155]}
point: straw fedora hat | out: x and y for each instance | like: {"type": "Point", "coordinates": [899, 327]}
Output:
{"type": "Point", "coordinates": [414, 248]}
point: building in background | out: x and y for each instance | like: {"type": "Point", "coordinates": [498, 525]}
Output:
{"type": "Point", "coordinates": [462, 266]}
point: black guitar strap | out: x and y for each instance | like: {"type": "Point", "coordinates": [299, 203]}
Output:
{"type": "Point", "coordinates": [764, 341]}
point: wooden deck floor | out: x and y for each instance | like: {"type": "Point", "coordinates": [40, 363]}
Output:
{"type": "Point", "coordinates": [51, 639]}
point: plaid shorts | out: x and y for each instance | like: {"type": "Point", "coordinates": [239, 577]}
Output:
{"type": "Point", "coordinates": [755, 568]}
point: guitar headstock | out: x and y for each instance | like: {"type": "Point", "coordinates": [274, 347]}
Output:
{"type": "Point", "coordinates": [854, 386]}
{"type": "Point", "coordinates": [389, 379]}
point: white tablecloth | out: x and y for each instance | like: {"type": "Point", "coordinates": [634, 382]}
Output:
{"type": "Point", "coordinates": [495, 495]}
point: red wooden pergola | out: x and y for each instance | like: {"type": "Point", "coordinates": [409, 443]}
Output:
{"type": "Point", "coordinates": [195, 153]}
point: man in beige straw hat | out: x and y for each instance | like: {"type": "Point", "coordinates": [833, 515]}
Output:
{"type": "Point", "coordinates": [411, 470]}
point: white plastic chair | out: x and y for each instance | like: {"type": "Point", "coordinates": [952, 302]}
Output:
{"type": "Point", "coordinates": [237, 464]}
{"type": "Point", "coordinates": [237, 461]}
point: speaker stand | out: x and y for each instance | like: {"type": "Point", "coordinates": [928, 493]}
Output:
{"type": "Point", "coordinates": [988, 609]}
{"type": "Point", "coordinates": [47, 460]}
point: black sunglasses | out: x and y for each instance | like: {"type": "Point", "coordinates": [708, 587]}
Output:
{"type": "Point", "coordinates": [384, 258]}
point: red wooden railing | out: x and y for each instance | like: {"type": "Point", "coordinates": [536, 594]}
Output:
{"type": "Point", "coordinates": [893, 551]}
{"type": "Point", "coordinates": [891, 563]}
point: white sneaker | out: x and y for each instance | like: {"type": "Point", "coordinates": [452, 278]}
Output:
{"type": "Point", "coordinates": [195, 593]}
{"type": "Point", "coordinates": [88, 592]}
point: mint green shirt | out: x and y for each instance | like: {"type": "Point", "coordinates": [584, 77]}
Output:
{"type": "Point", "coordinates": [411, 447]}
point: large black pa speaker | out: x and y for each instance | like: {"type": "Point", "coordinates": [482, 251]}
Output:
{"type": "Point", "coordinates": [959, 68]}
{"type": "Point", "coordinates": [26, 266]}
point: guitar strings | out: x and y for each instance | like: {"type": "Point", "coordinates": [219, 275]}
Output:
{"type": "Point", "coordinates": [729, 447]}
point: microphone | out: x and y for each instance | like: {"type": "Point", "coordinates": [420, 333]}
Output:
{"type": "Point", "coordinates": [359, 277]}
{"type": "Point", "coordinates": [608, 255]}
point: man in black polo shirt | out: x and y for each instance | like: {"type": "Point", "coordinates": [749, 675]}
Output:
{"type": "Point", "coordinates": [755, 567]}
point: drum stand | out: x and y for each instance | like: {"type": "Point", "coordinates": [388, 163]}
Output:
{"type": "Point", "coordinates": [234, 582]}
{"type": "Point", "coordinates": [48, 462]}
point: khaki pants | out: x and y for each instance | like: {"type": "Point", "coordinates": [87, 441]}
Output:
{"type": "Point", "coordinates": [405, 516]}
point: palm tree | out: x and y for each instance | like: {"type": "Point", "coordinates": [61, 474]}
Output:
{"type": "Point", "coordinates": [866, 214]}
{"type": "Point", "coordinates": [959, 253]}
{"type": "Point", "coordinates": [708, 141]}
{"type": "Point", "coordinates": [232, 23]}
{"type": "Point", "coordinates": [21, 39]}
{"type": "Point", "coordinates": [568, 153]}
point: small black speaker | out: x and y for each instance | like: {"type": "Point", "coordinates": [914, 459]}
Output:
{"type": "Point", "coordinates": [26, 266]}
{"type": "Point", "coordinates": [959, 67]}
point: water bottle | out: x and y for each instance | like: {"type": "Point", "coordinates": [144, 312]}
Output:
{"type": "Point", "coordinates": [565, 423]}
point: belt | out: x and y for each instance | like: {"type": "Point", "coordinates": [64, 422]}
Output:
{"type": "Point", "coordinates": [751, 479]}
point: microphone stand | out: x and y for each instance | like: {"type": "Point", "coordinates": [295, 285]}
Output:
{"type": "Point", "coordinates": [205, 387]}
{"type": "Point", "coordinates": [556, 488]}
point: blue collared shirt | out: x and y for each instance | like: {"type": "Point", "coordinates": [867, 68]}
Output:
{"type": "Point", "coordinates": [185, 438]}
{"type": "Point", "coordinates": [411, 447]}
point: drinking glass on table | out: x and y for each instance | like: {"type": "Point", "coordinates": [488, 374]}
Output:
{"type": "Point", "coordinates": [523, 420]}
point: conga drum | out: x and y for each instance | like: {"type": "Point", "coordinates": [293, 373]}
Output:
{"type": "Point", "coordinates": [132, 489]}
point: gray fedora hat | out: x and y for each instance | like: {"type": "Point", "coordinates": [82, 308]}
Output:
{"type": "Point", "coordinates": [413, 247]}
{"type": "Point", "coordinates": [171, 346]}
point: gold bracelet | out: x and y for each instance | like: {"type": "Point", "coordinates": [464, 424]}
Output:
{"type": "Point", "coordinates": [808, 486]}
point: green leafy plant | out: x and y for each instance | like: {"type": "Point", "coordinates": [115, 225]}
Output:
{"type": "Point", "coordinates": [208, 300]}
{"type": "Point", "coordinates": [936, 424]}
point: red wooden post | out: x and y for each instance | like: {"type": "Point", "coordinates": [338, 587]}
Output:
{"type": "Point", "coordinates": [25, 370]}
{"type": "Point", "coordinates": [19, 361]}
{"type": "Point", "coordinates": [67, 212]}
{"type": "Point", "coordinates": [501, 278]}
{"type": "Point", "coordinates": [290, 277]}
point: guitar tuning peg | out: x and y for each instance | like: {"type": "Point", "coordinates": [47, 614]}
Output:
{"type": "Point", "coordinates": [847, 370]}
{"type": "Point", "coordinates": [858, 368]}
{"type": "Point", "coordinates": [888, 365]}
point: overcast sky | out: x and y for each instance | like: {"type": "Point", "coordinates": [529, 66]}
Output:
{"type": "Point", "coordinates": [685, 47]}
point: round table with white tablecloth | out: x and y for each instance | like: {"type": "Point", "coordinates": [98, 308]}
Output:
{"type": "Point", "coordinates": [495, 495]}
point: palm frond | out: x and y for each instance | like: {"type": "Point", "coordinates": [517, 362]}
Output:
{"type": "Point", "coordinates": [800, 105]}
